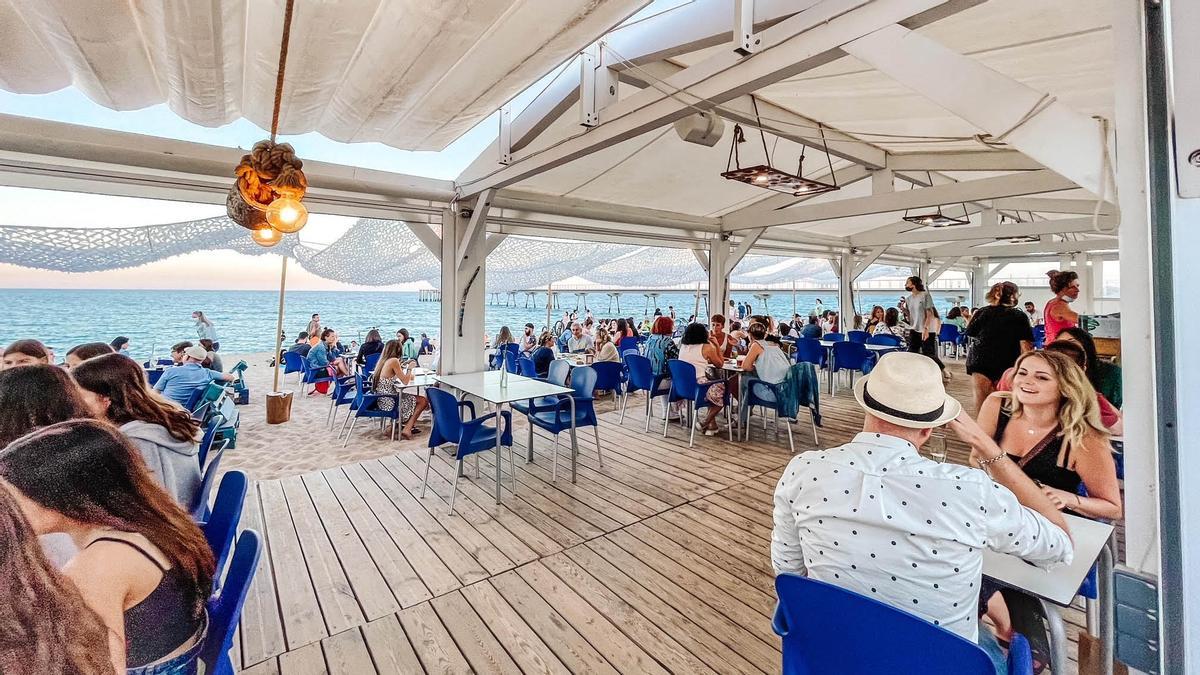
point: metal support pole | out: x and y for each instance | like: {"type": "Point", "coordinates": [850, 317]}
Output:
{"type": "Point", "coordinates": [279, 325]}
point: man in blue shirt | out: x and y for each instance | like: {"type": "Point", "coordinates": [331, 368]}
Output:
{"type": "Point", "coordinates": [179, 382]}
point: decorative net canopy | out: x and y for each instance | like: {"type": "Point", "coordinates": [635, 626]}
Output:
{"type": "Point", "coordinates": [386, 252]}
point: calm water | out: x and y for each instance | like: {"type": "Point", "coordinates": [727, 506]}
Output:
{"type": "Point", "coordinates": [245, 320]}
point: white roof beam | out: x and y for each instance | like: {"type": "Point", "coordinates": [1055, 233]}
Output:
{"type": "Point", "coordinates": [1053, 205]}
{"type": "Point", "coordinates": [867, 260]}
{"type": "Point", "coordinates": [942, 269]}
{"type": "Point", "coordinates": [476, 227]}
{"type": "Point", "coordinates": [969, 233]}
{"type": "Point", "coordinates": [586, 208]}
{"type": "Point", "coordinates": [1027, 182]}
{"type": "Point", "coordinates": [1030, 121]}
{"type": "Point", "coordinates": [976, 249]}
{"type": "Point", "coordinates": [793, 46]}
{"type": "Point", "coordinates": [428, 237]}
{"type": "Point", "coordinates": [741, 249]}
{"type": "Point", "coordinates": [974, 160]}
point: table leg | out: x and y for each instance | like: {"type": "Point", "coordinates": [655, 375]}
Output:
{"type": "Point", "coordinates": [1058, 637]}
{"type": "Point", "coordinates": [1105, 599]}
{"type": "Point", "coordinates": [498, 460]}
{"type": "Point", "coordinates": [574, 441]}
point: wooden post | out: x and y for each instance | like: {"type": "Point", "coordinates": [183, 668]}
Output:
{"type": "Point", "coordinates": [279, 325]}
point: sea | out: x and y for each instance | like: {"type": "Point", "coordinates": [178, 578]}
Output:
{"type": "Point", "coordinates": [153, 320]}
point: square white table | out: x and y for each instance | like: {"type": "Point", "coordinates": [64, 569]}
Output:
{"type": "Point", "coordinates": [487, 385]}
{"type": "Point", "coordinates": [1061, 584]}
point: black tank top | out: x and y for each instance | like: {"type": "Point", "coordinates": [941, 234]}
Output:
{"type": "Point", "coordinates": [1041, 462]}
{"type": "Point", "coordinates": [162, 622]}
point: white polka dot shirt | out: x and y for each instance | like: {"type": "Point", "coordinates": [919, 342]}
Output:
{"type": "Point", "coordinates": [876, 517]}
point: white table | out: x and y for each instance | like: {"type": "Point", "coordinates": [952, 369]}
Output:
{"type": "Point", "coordinates": [487, 386]}
{"type": "Point", "coordinates": [1060, 585]}
{"type": "Point", "coordinates": [828, 345]}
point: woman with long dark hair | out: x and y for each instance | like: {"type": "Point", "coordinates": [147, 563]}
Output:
{"type": "Point", "coordinates": [85, 351]}
{"type": "Point", "coordinates": [24, 353]}
{"type": "Point", "coordinates": [373, 344]}
{"type": "Point", "coordinates": [143, 566]}
{"type": "Point", "coordinates": [999, 333]}
{"type": "Point", "coordinates": [1104, 376]}
{"type": "Point", "coordinates": [694, 348]}
{"type": "Point", "coordinates": [114, 387]}
{"type": "Point", "coordinates": [36, 396]}
{"type": "Point", "coordinates": [45, 627]}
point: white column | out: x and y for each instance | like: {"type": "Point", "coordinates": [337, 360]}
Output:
{"type": "Point", "coordinates": [979, 279]}
{"type": "Point", "coordinates": [1137, 321]}
{"type": "Point", "coordinates": [461, 354]}
{"type": "Point", "coordinates": [1085, 303]}
{"type": "Point", "coordinates": [845, 291]}
{"type": "Point", "coordinates": [718, 278]}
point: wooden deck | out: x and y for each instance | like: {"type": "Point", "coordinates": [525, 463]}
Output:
{"type": "Point", "coordinates": [657, 562]}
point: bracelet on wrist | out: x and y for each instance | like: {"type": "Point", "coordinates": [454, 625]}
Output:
{"type": "Point", "coordinates": [985, 464]}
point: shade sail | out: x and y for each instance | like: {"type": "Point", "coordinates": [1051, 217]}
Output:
{"type": "Point", "coordinates": [413, 74]}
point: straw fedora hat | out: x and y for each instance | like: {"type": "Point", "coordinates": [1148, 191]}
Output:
{"type": "Point", "coordinates": [906, 389]}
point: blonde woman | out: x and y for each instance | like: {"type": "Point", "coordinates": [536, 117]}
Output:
{"type": "Point", "coordinates": [390, 377]}
{"type": "Point", "coordinates": [605, 349]}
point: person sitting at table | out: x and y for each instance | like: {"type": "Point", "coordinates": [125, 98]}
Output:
{"type": "Point", "coordinates": [661, 346]}
{"type": "Point", "coordinates": [543, 356]}
{"type": "Point", "coordinates": [785, 331]}
{"type": "Point", "coordinates": [1110, 416]}
{"type": "Point", "coordinates": [765, 359]}
{"type": "Point", "coordinates": [579, 342]}
{"type": "Point", "coordinates": [301, 345]}
{"type": "Point", "coordinates": [718, 337]}
{"type": "Point", "coordinates": [49, 629]}
{"type": "Point", "coordinates": [739, 339]}
{"type": "Point", "coordinates": [528, 340]}
{"type": "Point", "coordinates": [36, 396]}
{"type": "Point", "coordinates": [178, 355]}
{"type": "Point", "coordinates": [24, 353]}
{"type": "Point", "coordinates": [504, 337]}
{"type": "Point", "coordinates": [391, 375]}
{"type": "Point", "coordinates": [877, 317]}
{"type": "Point", "coordinates": [891, 326]}
{"type": "Point", "coordinates": [80, 353]}
{"type": "Point", "coordinates": [115, 389]}
{"type": "Point", "coordinates": [1104, 376]}
{"type": "Point", "coordinates": [373, 344]}
{"type": "Point", "coordinates": [605, 349]}
{"type": "Point", "coordinates": [179, 382]}
{"type": "Point", "coordinates": [813, 328]}
{"type": "Point", "coordinates": [144, 567]}
{"type": "Point", "coordinates": [876, 517]}
{"type": "Point", "coordinates": [694, 348]}
{"type": "Point", "coordinates": [325, 355]}
{"type": "Point", "coordinates": [1049, 426]}
{"type": "Point", "coordinates": [214, 359]}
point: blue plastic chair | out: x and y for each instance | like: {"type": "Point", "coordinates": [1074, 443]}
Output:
{"type": "Point", "coordinates": [342, 394]}
{"type": "Point", "coordinates": [884, 339]}
{"type": "Point", "coordinates": [370, 362]}
{"type": "Point", "coordinates": [293, 362]}
{"type": "Point", "coordinates": [809, 350]}
{"type": "Point", "coordinates": [225, 609]}
{"type": "Point", "coordinates": [684, 387]}
{"type": "Point", "coordinates": [210, 434]}
{"type": "Point", "coordinates": [610, 376]}
{"type": "Point", "coordinates": [222, 523]}
{"type": "Point", "coordinates": [557, 419]}
{"type": "Point", "coordinates": [765, 395]}
{"type": "Point", "coordinates": [1039, 336]}
{"type": "Point", "coordinates": [469, 437]}
{"type": "Point", "coordinates": [853, 633]}
{"type": "Point", "coordinates": [834, 337]}
{"type": "Point", "coordinates": [558, 371]}
{"type": "Point", "coordinates": [525, 365]}
{"type": "Point", "coordinates": [859, 336]}
{"type": "Point", "coordinates": [852, 357]}
{"type": "Point", "coordinates": [366, 404]}
{"type": "Point", "coordinates": [199, 506]}
{"type": "Point", "coordinates": [510, 362]}
{"type": "Point", "coordinates": [948, 334]}
{"type": "Point", "coordinates": [641, 377]}
{"type": "Point", "coordinates": [315, 376]}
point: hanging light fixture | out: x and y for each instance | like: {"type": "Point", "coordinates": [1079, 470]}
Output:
{"type": "Point", "coordinates": [266, 198]}
{"type": "Point", "coordinates": [938, 218]}
{"type": "Point", "coordinates": [769, 177]}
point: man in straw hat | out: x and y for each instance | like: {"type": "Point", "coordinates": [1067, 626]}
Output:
{"type": "Point", "coordinates": [876, 517]}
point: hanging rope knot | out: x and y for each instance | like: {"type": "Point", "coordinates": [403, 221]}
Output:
{"type": "Point", "coordinates": [269, 171]}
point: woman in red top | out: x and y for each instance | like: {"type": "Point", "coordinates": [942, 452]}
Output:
{"type": "Point", "coordinates": [1058, 313]}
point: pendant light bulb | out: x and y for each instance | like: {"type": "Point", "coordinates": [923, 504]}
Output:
{"type": "Point", "coordinates": [287, 214]}
{"type": "Point", "coordinates": [266, 236]}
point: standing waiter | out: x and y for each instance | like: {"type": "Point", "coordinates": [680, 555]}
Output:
{"type": "Point", "coordinates": [914, 309]}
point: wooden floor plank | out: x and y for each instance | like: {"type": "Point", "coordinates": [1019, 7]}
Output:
{"type": "Point", "coordinates": [339, 607]}
{"type": "Point", "coordinates": [481, 649]}
{"type": "Point", "coordinates": [372, 591]}
{"type": "Point", "coordinates": [307, 660]}
{"type": "Point", "coordinates": [673, 535]}
{"type": "Point", "coordinates": [270, 667]}
{"type": "Point", "coordinates": [390, 649]}
{"type": "Point", "coordinates": [346, 654]}
{"type": "Point", "coordinates": [261, 627]}
{"type": "Point", "coordinates": [527, 649]}
{"type": "Point", "coordinates": [300, 611]}
{"type": "Point", "coordinates": [571, 648]}
{"type": "Point", "coordinates": [432, 642]}
{"type": "Point", "coordinates": [403, 581]}
{"type": "Point", "coordinates": [436, 576]}
{"type": "Point", "coordinates": [606, 638]}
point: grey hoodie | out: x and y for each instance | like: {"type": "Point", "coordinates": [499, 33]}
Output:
{"type": "Point", "coordinates": [174, 463]}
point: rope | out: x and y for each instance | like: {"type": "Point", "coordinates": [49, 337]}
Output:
{"type": "Point", "coordinates": [283, 53]}
{"type": "Point", "coordinates": [991, 142]}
